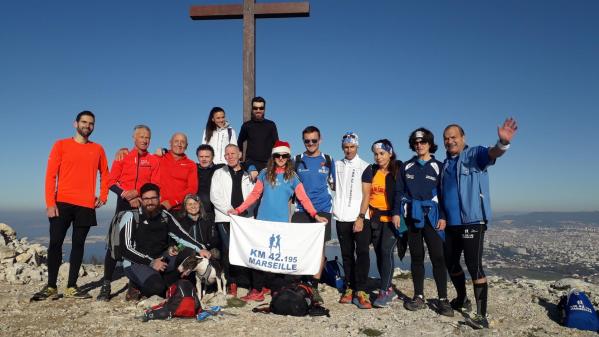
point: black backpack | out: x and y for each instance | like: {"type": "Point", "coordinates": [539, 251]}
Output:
{"type": "Point", "coordinates": [328, 162]}
{"type": "Point", "coordinates": [293, 300]}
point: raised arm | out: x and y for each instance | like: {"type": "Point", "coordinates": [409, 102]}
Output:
{"type": "Point", "coordinates": [505, 132]}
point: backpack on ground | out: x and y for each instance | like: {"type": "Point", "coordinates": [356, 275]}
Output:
{"type": "Point", "coordinates": [293, 300]}
{"type": "Point", "coordinates": [114, 233]}
{"type": "Point", "coordinates": [332, 275]}
{"type": "Point", "coordinates": [328, 162]}
{"type": "Point", "coordinates": [578, 311]}
{"type": "Point", "coordinates": [181, 301]}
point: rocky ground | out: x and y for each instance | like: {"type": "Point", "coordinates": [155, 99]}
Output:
{"type": "Point", "coordinates": [520, 307]}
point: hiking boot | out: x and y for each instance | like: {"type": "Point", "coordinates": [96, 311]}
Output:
{"type": "Point", "coordinates": [74, 292]}
{"type": "Point", "coordinates": [47, 292]}
{"type": "Point", "coordinates": [362, 300]}
{"type": "Point", "coordinates": [384, 298]}
{"type": "Point", "coordinates": [444, 308]}
{"type": "Point", "coordinates": [233, 289]}
{"type": "Point", "coordinates": [461, 306]}
{"type": "Point", "coordinates": [253, 295]}
{"type": "Point", "coordinates": [133, 294]}
{"type": "Point", "coordinates": [316, 295]}
{"type": "Point", "coordinates": [477, 322]}
{"type": "Point", "coordinates": [417, 303]}
{"type": "Point", "coordinates": [104, 294]}
{"type": "Point", "coordinates": [347, 296]}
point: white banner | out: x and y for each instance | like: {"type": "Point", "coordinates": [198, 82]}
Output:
{"type": "Point", "coordinates": [276, 247]}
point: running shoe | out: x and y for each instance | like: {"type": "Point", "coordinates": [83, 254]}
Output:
{"type": "Point", "coordinates": [347, 296]}
{"type": "Point", "coordinates": [253, 295]}
{"type": "Point", "coordinates": [444, 308]}
{"type": "Point", "coordinates": [74, 292]}
{"type": "Point", "coordinates": [362, 300]}
{"type": "Point", "coordinates": [477, 322]}
{"type": "Point", "coordinates": [417, 303]}
{"type": "Point", "coordinates": [104, 294]}
{"type": "Point", "coordinates": [133, 294]}
{"type": "Point", "coordinates": [384, 298]}
{"type": "Point", "coordinates": [265, 290]}
{"type": "Point", "coordinates": [47, 292]}
{"type": "Point", "coordinates": [233, 289]}
{"type": "Point", "coordinates": [461, 305]}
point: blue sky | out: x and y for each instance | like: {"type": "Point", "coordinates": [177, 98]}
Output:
{"type": "Point", "coordinates": [379, 68]}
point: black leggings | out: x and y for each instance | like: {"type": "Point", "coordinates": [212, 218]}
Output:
{"type": "Point", "coordinates": [434, 243]}
{"type": "Point", "coordinates": [355, 267]}
{"type": "Point", "coordinates": [468, 239]}
{"type": "Point", "coordinates": [58, 230]}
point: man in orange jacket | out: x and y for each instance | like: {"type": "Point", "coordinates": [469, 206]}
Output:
{"type": "Point", "coordinates": [178, 174]}
{"type": "Point", "coordinates": [71, 177]}
{"type": "Point", "coordinates": [127, 175]}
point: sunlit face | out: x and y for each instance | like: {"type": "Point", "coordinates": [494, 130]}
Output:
{"type": "Point", "coordinates": [85, 126]}
{"type": "Point", "coordinates": [454, 141]}
{"type": "Point", "coordinates": [311, 141]}
{"type": "Point", "coordinates": [382, 157]}
{"type": "Point", "coordinates": [219, 119]}
{"type": "Point", "coordinates": [150, 202]}
{"type": "Point", "coordinates": [422, 148]}
{"type": "Point", "coordinates": [258, 109]}
{"type": "Point", "coordinates": [232, 156]}
{"type": "Point", "coordinates": [281, 159]}
{"type": "Point", "coordinates": [349, 150]}
{"type": "Point", "coordinates": [192, 207]}
{"type": "Point", "coordinates": [141, 139]}
{"type": "Point", "coordinates": [205, 158]}
{"type": "Point", "coordinates": [178, 144]}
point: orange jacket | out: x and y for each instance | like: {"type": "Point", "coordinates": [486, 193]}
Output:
{"type": "Point", "coordinates": [177, 179]}
{"type": "Point", "coordinates": [72, 173]}
{"type": "Point", "coordinates": [133, 171]}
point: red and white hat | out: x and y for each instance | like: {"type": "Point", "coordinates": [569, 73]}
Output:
{"type": "Point", "coordinates": [281, 147]}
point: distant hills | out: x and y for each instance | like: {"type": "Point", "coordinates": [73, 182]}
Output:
{"type": "Point", "coordinates": [551, 218]}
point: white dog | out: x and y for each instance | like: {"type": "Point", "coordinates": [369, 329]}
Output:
{"type": "Point", "coordinates": [207, 272]}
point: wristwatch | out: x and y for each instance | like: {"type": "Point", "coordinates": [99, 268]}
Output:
{"type": "Point", "coordinates": [362, 216]}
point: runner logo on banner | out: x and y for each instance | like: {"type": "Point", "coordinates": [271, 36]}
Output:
{"type": "Point", "coordinates": [276, 247]}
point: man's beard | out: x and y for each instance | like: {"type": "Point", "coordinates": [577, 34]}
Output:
{"type": "Point", "coordinates": [151, 213]}
{"type": "Point", "coordinates": [84, 132]}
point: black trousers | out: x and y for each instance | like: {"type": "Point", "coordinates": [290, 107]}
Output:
{"type": "Point", "coordinates": [355, 253]}
{"type": "Point", "coordinates": [109, 262]}
{"type": "Point", "coordinates": [232, 272]}
{"type": "Point", "coordinates": [468, 239]}
{"type": "Point", "coordinates": [82, 219]}
{"type": "Point", "coordinates": [434, 243]}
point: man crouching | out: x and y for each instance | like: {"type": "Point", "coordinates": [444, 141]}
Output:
{"type": "Point", "coordinates": [148, 262]}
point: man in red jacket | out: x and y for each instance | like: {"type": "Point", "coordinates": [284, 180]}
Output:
{"type": "Point", "coordinates": [127, 175]}
{"type": "Point", "coordinates": [178, 174]}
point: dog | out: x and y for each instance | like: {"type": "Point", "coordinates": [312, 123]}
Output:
{"type": "Point", "coordinates": [208, 271]}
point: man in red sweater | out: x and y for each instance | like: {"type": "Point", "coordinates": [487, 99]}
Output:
{"type": "Point", "coordinates": [178, 174]}
{"type": "Point", "coordinates": [71, 177]}
{"type": "Point", "coordinates": [127, 175]}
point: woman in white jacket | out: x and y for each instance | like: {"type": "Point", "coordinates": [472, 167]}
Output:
{"type": "Point", "coordinates": [218, 134]}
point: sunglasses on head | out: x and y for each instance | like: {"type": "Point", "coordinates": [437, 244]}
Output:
{"type": "Point", "coordinates": [308, 141]}
{"type": "Point", "coordinates": [281, 155]}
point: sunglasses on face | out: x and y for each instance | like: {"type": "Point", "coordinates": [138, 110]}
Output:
{"type": "Point", "coordinates": [261, 108]}
{"type": "Point", "coordinates": [281, 155]}
{"type": "Point", "coordinates": [420, 142]}
{"type": "Point", "coordinates": [310, 141]}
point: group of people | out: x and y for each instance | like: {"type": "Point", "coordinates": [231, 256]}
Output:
{"type": "Point", "coordinates": [169, 207]}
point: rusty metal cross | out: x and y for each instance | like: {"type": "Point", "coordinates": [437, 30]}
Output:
{"type": "Point", "coordinates": [249, 11]}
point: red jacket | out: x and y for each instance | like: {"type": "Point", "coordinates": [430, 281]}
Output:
{"type": "Point", "coordinates": [177, 179]}
{"type": "Point", "coordinates": [133, 171]}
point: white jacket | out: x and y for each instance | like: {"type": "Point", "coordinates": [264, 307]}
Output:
{"type": "Point", "coordinates": [219, 140]}
{"type": "Point", "coordinates": [348, 188]}
{"type": "Point", "coordinates": [220, 192]}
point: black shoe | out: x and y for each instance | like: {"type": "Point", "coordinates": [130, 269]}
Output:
{"type": "Point", "coordinates": [47, 292]}
{"type": "Point", "coordinates": [461, 305]}
{"type": "Point", "coordinates": [417, 303]}
{"type": "Point", "coordinates": [477, 322]}
{"type": "Point", "coordinates": [104, 294]}
{"type": "Point", "coordinates": [444, 308]}
{"type": "Point", "coordinates": [133, 294]}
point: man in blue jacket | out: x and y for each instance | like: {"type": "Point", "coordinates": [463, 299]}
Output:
{"type": "Point", "coordinates": [465, 190]}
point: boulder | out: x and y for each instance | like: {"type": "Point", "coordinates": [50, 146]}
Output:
{"type": "Point", "coordinates": [7, 253]}
{"type": "Point", "coordinates": [23, 258]}
{"type": "Point", "coordinates": [7, 233]}
{"type": "Point", "coordinates": [571, 283]}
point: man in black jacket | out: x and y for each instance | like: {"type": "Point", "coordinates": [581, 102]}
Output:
{"type": "Point", "coordinates": [148, 262]}
{"type": "Point", "coordinates": [260, 134]}
{"type": "Point", "coordinates": [206, 168]}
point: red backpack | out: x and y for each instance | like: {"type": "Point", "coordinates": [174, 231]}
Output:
{"type": "Point", "coordinates": [181, 301]}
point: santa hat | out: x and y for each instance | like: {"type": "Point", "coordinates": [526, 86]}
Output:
{"type": "Point", "coordinates": [281, 147]}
